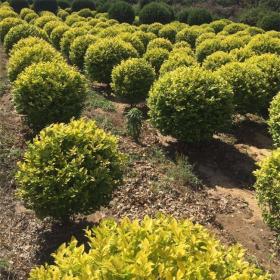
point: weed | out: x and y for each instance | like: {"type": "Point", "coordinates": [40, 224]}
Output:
{"type": "Point", "coordinates": [134, 123]}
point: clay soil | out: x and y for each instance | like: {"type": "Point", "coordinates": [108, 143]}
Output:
{"type": "Point", "coordinates": [225, 202]}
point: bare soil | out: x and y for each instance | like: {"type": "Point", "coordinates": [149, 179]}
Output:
{"type": "Point", "coordinates": [226, 203]}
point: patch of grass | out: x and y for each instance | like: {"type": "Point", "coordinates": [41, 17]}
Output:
{"type": "Point", "coordinates": [182, 173]}
{"type": "Point", "coordinates": [96, 100]}
{"type": "Point", "coordinates": [3, 264]}
{"type": "Point", "coordinates": [107, 124]}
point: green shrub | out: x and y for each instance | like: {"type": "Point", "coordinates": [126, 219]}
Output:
{"type": "Point", "coordinates": [24, 12]}
{"type": "Point", "coordinates": [219, 25]}
{"type": "Point", "coordinates": [156, 12]}
{"type": "Point", "coordinates": [234, 27]}
{"type": "Point", "coordinates": [198, 16]}
{"type": "Point", "coordinates": [62, 14]}
{"type": "Point", "coordinates": [28, 55]}
{"type": "Point", "coordinates": [31, 17]}
{"type": "Point", "coordinates": [43, 20]}
{"type": "Point", "coordinates": [262, 43]}
{"type": "Point", "coordinates": [5, 13]}
{"type": "Point", "coordinates": [253, 15]}
{"type": "Point", "coordinates": [160, 43]}
{"type": "Point", "coordinates": [69, 169]}
{"type": "Point", "coordinates": [86, 13]}
{"type": "Point", "coordinates": [68, 37]}
{"type": "Point", "coordinates": [270, 22]}
{"type": "Point", "coordinates": [204, 36]}
{"type": "Point", "coordinates": [78, 5]}
{"type": "Point", "coordinates": [134, 41]}
{"type": "Point", "coordinates": [49, 92]}
{"type": "Point", "coordinates": [57, 34]}
{"type": "Point", "coordinates": [156, 57]}
{"type": "Point", "coordinates": [22, 31]}
{"type": "Point", "coordinates": [122, 12]}
{"type": "Point", "coordinates": [18, 5]}
{"type": "Point", "coordinates": [145, 37]}
{"type": "Point", "coordinates": [190, 103]}
{"type": "Point", "coordinates": [45, 5]}
{"type": "Point", "coordinates": [217, 59]}
{"type": "Point", "coordinates": [274, 120]}
{"type": "Point", "coordinates": [134, 122]}
{"type": "Point", "coordinates": [78, 49]}
{"type": "Point", "coordinates": [73, 18]}
{"type": "Point", "coordinates": [249, 86]}
{"type": "Point", "coordinates": [269, 64]}
{"type": "Point", "coordinates": [6, 24]}
{"type": "Point", "coordinates": [51, 25]}
{"type": "Point", "coordinates": [190, 35]}
{"type": "Point", "coordinates": [63, 4]}
{"type": "Point", "coordinates": [132, 79]}
{"type": "Point", "coordinates": [207, 48]}
{"type": "Point", "coordinates": [169, 31]}
{"type": "Point", "coordinates": [149, 249]}
{"type": "Point", "coordinates": [102, 57]}
{"type": "Point", "coordinates": [268, 189]}
{"type": "Point", "coordinates": [175, 60]}
{"type": "Point", "coordinates": [29, 41]}
{"type": "Point", "coordinates": [242, 54]}
{"type": "Point", "coordinates": [183, 15]}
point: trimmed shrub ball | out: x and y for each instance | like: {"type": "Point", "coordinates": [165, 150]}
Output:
{"type": "Point", "coordinates": [24, 12]}
{"type": "Point", "coordinates": [156, 57]}
{"type": "Point", "coordinates": [31, 17]}
{"type": "Point", "coordinates": [104, 55]}
{"type": "Point", "coordinates": [175, 60]}
{"type": "Point", "coordinates": [137, 247]}
{"type": "Point", "coordinates": [156, 12]}
{"type": "Point", "coordinates": [69, 169]}
{"type": "Point", "coordinates": [160, 43]}
{"type": "Point", "coordinates": [49, 92]}
{"type": "Point", "coordinates": [134, 41]}
{"type": "Point", "coordinates": [57, 35]}
{"type": "Point", "coordinates": [68, 37]}
{"type": "Point", "coordinates": [18, 5]}
{"type": "Point", "coordinates": [51, 25]}
{"type": "Point", "coordinates": [207, 48]}
{"type": "Point", "coordinates": [78, 5]}
{"type": "Point", "coordinates": [250, 87]}
{"type": "Point", "coordinates": [6, 24]}
{"type": "Point", "coordinates": [78, 49]}
{"type": "Point", "coordinates": [274, 120]}
{"type": "Point", "coordinates": [122, 12]}
{"type": "Point", "coordinates": [190, 104]}
{"type": "Point", "coordinates": [217, 59]}
{"type": "Point", "coordinates": [198, 16]}
{"type": "Point", "coordinates": [28, 55]}
{"type": "Point", "coordinates": [268, 189]}
{"type": "Point", "coordinates": [269, 64]}
{"type": "Point", "coordinates": [45, 5]}
{"type": "Point", "coordinates": [22, 31]}
{"type": "Point", "coordinates": [43, 20]}
{"type": "Point", "coordinates": [132, 79]}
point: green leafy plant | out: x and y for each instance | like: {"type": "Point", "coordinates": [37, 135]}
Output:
{"type": "Point", "coordinates": [268, 189]}
{"type": "Point", "coordinates": [132, 79]}
{"type": "Point", "coordinates": [156, 57]}
{"type": "Point", "coordinates": [160, 248]}
{"type": "Point", "coordinates": [134, 122]}
{"type": "Point", "coordinates": [191, 104]}
{"type": "Point", "coordinates": [78, 5]}
{"type": "Point", "coordinates": [57, 34]}
{"type": "Point", "coordinates": [69, 169]}
{"type": "Point", "coordinates": [49, 92]}
{"type": "Point", "coordinates": [198, 16]}
{"type": "Point", "coordinates": [22, 31]}
{"type": "Point", "coordinates": [217, 59]}
{"type": "Point", "coordinates": [156, 12]}
{"type": "Point", "coordinates": [26, 56]}
{"type": "Point", "coordinates": [6, 24]}
{"type": "Point", "coordinates": [121, 11]}
{"type": "Point", "coordinates": [250, 87]}
{"type": "Point", "coordinates": [45, 5]}
{"type": "Point", "coordinates": [160, 43]}
{"type": "Point", "coordinates": [274, 120]}
{"type": "Point", "coordinates": [79, 47]}
{"type": "Point", "coordinates": [104, 55]}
